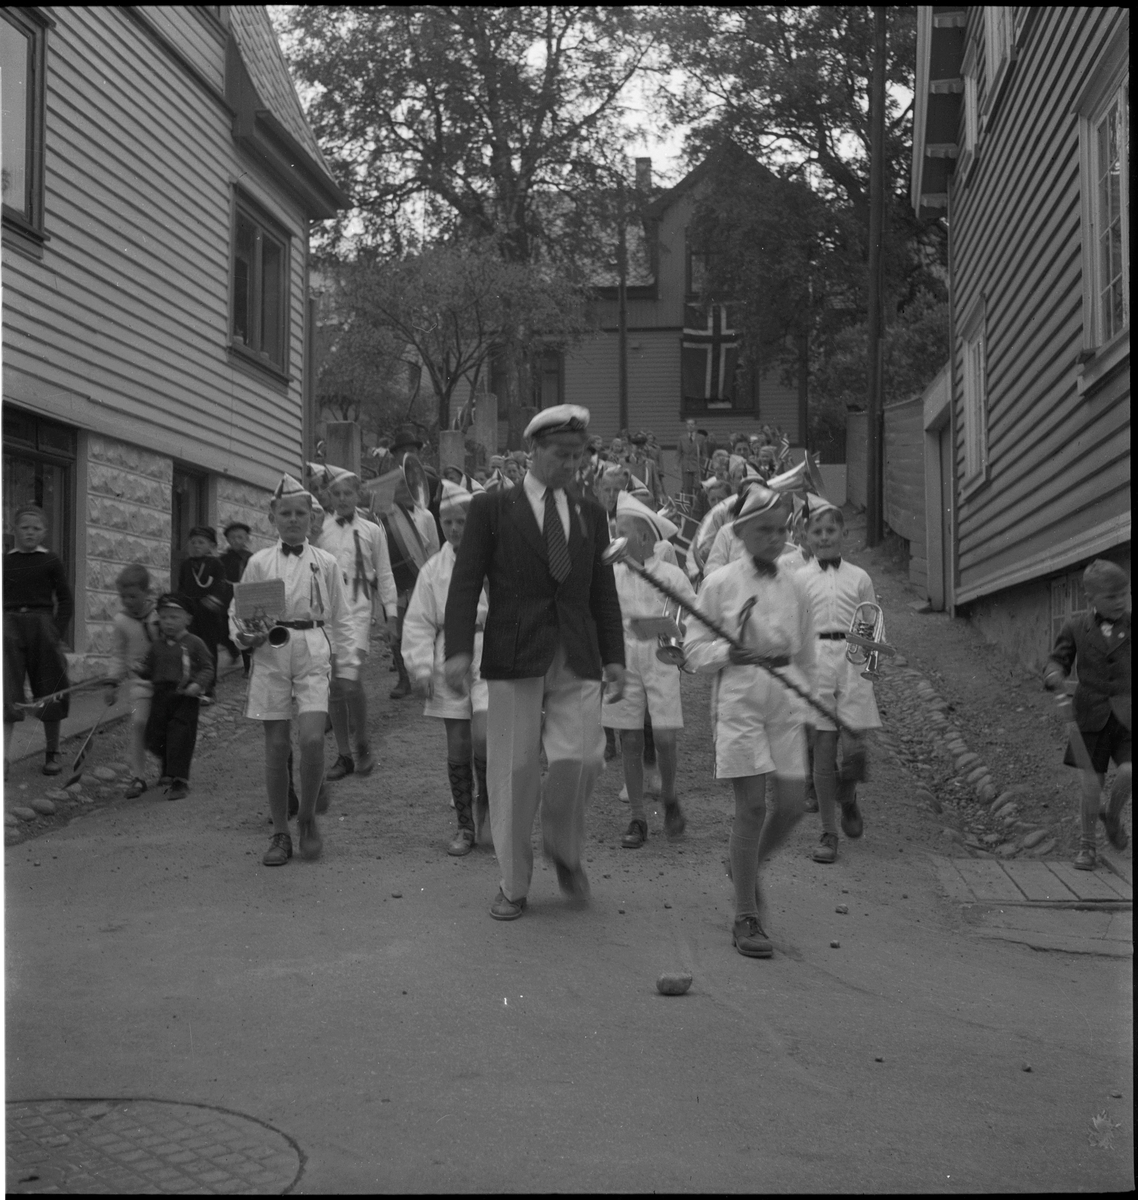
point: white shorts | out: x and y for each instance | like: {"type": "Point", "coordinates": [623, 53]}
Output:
{"type": "Point", "coordinates": [649, 686]}
{"type": "Point", "coordinates": [447, 704]}
{"type": "Point", "coordinates": [758, 729]}
{"type": "Point", "coordinates": [299, 671]}
{"type": "Point", "coordinates": [361, 634]}
{"type": "Point", "coordinates": [842, 690]}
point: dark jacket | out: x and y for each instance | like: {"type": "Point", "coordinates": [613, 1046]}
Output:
{"type": "Point", "coordinates": [183, 661]}
{"type": "Point", "coordinates": [530, 613]}
{"type": "Point", "coordinates": [1104, 669]}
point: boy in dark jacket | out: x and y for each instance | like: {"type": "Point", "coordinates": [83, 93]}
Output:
{"type": "Point", "coordinates": [1099, 643]}
{"type": "Point", "coordinates": [181, 668]}
{"type": "Point", "coordinates": [202, 581]}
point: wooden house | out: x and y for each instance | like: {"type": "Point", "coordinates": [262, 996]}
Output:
{"type": "Point", "coordinates": [1021, 143]}
{"type": "Point", "coordinates": [159, 183]}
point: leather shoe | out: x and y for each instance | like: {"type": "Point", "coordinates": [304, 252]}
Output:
{"type": "Point", "coordinates": [827, 849]}
{"type": "Point", "coordinates": [311, 843]}
{"type": "Point", "coordinates": [750, 938]}
{"type": "Point", "coordinates": [504, 909]}
{"type": "Point", "coordinates": [51, 763]}
{"type": "Point", "coordinates": [1116, 835]}
{"type": "Point", "coordinates": [178, 790]}
{"type": "Point", "coordinates": [279, 851]}
{"type": "Point", "coordinates": [636, 834]}
{"type": "Point", "coordinates": [851, 819]}
{"type": "Point", "coordinates": [674, 820]}
{"type": "Point", "coordinates": [136, 788]}
{"type": "Point", "coordinates": [341, 767]}
{"type": "Point", "coordinates": [1085, 860]}
{"type": "Point", "coordinates": [365, 760]}
{"type": "Point", "coordinates": [462, 843]}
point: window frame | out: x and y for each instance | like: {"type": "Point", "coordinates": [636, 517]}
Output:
{"type": "Point", "coordinates": [246, 207]}
{"type": "Point", "coordinates": [974, 397]}
{"type": "Point", "coordinates": [969, 113]}
{"type": "Point", "coordinates": [26, 231]}
{"type": "Point", "coordinates": [999, 50]}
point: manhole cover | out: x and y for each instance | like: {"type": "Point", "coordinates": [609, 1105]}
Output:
{"type": "Point", "coordinates": [145, 1146]}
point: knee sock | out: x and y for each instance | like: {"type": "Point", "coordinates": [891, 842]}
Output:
{"type": "Point", "coordinates": [357, 718]}
{"type": "Point", "coordinates": [51, 736]}
{"type": "Point", "coordinates": [480, 775]}
{"type": "Point", "coordinates": [338, 715]}
{"type": "Point", "coordinates": [744, 853]}
{"type": "Point", "coordinates": [461, 778]}
{"type": "Point", "coordinates": [276, 784]}
{"type": "Point", "coordinates": [649, 745]}
{"type": "Point", "coordinates": [826, 789]}
{"type": "Point", "coordinates": [311, 777]}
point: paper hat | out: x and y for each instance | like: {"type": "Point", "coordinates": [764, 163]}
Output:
{"type": "Point", "coordinates": [758, 500]}
{"type": "Point", "coordinates": [637, 487]}
{"type": "Point", "coordinates": [561, 418]}
{"type": "Point", "coordinates": [453, 496]}
{"type": "Point", "coordinates": [335, 474]}
{"type": "Point", "coordinates": [627, 505]}
{"type": "Point", "coordinates": [314, 503]}
{"type": "Point", "coordinates": [736, 460]}
{"type": "Point", "coordinates": [816, 505]}
{"type": "Point", "coordinates": [289, 487]}
{"type": "Point", "coordinates": [319, 473]}
{"type": "Point", "coordinates": [174, 600]}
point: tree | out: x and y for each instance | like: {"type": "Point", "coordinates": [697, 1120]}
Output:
{"type": "Point", "coordinates": [448, 306]}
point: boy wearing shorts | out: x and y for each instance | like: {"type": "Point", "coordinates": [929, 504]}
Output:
{"type": "Point", "coordinates": [652, 688]}
{"type": "Point", "coordinates": [1099, 645]}
{"type": "Point", "coordinates": [320, 642]}
{"type": "Point", "coordinates": [760, 725]}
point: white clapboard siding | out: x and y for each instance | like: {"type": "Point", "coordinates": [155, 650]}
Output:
{"type": "Point", "coordinates": [196, 37]}
{"type": "Point", "coordinates": [130, 304]}
{"type": "Point", "coordinates": [1059, 462]}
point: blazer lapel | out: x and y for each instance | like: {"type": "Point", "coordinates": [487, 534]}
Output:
{"type": "Point", "coordinates": [518, 506]}
{"type": "Point", "coordinates": [576, 526]}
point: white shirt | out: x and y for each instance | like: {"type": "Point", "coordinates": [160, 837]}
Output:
{"type": "Point", "coordinates": [535, 494]}
{"type": "Point", "coordinates": [835, 594]}
{"type": "Point", "coordinates": [340, 541]}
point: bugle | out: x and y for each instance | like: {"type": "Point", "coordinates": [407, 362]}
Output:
{"type": "Point", "coordinates": [257, 605]}
{"type": "Point", "coordinates": [671, 649]}
{"type": "Point", "coordinates": [866, 640]}
{"type": "Point", "coordinates": [617, 551]}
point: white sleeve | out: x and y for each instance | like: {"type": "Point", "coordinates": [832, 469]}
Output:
{"type": "Point", "coordinates": [704, 650]}
{"type": "Point", "coordinates": [339, 617]}
{"type": "Point", "coordinates": [385, 580]}
{"type": "Point", "coordinates": [420, 627]}
{"type": "Point", "coordinates": [719, 555]}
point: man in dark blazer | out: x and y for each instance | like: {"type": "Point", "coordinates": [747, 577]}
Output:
{"type": "Point", "coordinates": [553, 633]}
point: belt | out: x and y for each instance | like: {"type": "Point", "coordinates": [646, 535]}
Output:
{"type": "Point", "coordinates": [781, 661]}
{"type": "Point", "coordinates": [301, 624]}
{"type": "Point", "coordinates": [834, 637]}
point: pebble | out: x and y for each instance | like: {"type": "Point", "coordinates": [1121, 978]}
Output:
{"type": "Point", "coordinates": [58, 794]}
{"type": "Point", "coordinates": [397, 895]}
{"type": "Point", "coordinates": [25, 814]}
{"type": "Point", "coordinates": [1034, 838]}
{"type": "Point", "coordinates": [1026, 1067]}
{"type": "Point", "coordinates": [11, 820]}
{"type": "Point", "coordinates": [666, 904]}
{"type": "Point", "coordinates": [12, 837]}
{"type": "Point", "coordinates": [1007, 811]}
{"type": "Point", "coordinates": [105, 774]}
{"type": "Point", "coordinates": [878, 1058]}
{"type": "Point", "coordinates": [966, 760]}
{"type": "Point", "coordinates": [1008, 850]}
{"type": "Point", "coordinates": [43, 806]}
{"type": "Point", "coordinates": [977, 774]}
{"type": "Point", "coordinates": [118, 767]}
{"type": "Point", "coordinates": [952, 835]}
{"type": "Point", "coordinates": [74, 789]}
{"type": "Point", "coordinates": [673, 983]}
{"type": "Point", "coordinates": [1116, 1095]}
{"type": "Point", "coordinates": [842, 908]}
{"type": "Point", "coordinates": [621, 911]}
{"type": "Point", "coordinates": [986, 791]}
{"type": "Point", "coordinates": [1044, 848]}
{"type": "Point", "coordinates": [835, 945]}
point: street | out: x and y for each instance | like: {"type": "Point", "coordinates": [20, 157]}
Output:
{"type": "Point", "coordinates": [368, 1007]}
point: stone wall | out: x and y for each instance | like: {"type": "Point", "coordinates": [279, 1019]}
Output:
{"type": "Point", "coordinates": [237, 501]}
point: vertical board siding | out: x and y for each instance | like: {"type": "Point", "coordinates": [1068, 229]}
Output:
{"type": "Point", "coordinates": [130, 304]}
{"type": "Point", "coordinates": [1058, 463]}
{"type": "Point", "coordinates": [856, 462]}
{"type": "Point", "coordinates": [905, 469]}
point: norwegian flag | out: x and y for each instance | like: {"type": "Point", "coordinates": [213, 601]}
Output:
{"type": "Point", "coordinates": [710, 356]}
{"type": "Point", "coordinates": [687, 525]}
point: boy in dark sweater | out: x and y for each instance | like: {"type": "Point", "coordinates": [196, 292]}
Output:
{"type": "Point", "coordinates": [202, 581]}
{"type": "Point", "coordinates": [233, 561]}
{"type": "Point", "coordinates": [37, 608]}
{"type": "Point", "coordinates": [181, 669]}
{"type": "Point", "coordinates": [1100, 644]}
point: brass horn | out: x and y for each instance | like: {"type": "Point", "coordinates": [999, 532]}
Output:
{"type": "Point", "coordinates": [617, 551]}
{"type": "Point", "coordinates": [802, 477]}
{"type": "Point", "coordinates": [866, 638]}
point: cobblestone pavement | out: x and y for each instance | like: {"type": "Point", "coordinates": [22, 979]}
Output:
{"type": "Point", "coordinates": [137, 1147]}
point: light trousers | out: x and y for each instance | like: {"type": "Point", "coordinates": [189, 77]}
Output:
{"type": "Point", "coordinates": [561, 713]}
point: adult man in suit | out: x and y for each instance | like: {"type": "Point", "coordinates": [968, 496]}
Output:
{"type": "Point", "coordinates": [690, 458]}
{"type": "Point", "coordinates": [553, 631]}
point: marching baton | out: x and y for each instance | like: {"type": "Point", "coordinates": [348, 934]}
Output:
{"type": "Point", "coordinates": [85, 749]}
{"type": "Point", "coordinates": [84, 685]}
{"type": "Point", "coordinates": [617, 551]}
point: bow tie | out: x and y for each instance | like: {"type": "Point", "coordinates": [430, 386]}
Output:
{"type": "Point", "coordinates": [345, 520]}
{"type": "Point", "coordinates": [767, 569]}
{"type": "Point", "coordinates": [827, 563]}
{"type": "Point", "coordinates": [286, 549]}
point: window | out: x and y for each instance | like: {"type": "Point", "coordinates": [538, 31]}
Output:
{"type": "Point", "coordinates": [970, 119]}
{"type": "Point", "coordinates": [22, 56]}
{"type": "Point", "coordinates": [1104, 142]}
{"type": "Point", "coordinates": [999, 48]}
{"type": "Point", "coordinates": [547, 379]}
{"type": "Point", "coordinates": [259, 322]}
{"type": "Point", "coordinates": [975, 401]}
{"type": "Point", "coordinates": [39, 468]}
{"type": "Point", "coordinates": [698, 267]}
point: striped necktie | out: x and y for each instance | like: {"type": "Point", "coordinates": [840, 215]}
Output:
{"type": "Point", "coordinates": [556, 546]}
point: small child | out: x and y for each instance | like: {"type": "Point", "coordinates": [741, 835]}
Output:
{"type": "Point", "coordinates": [201, 579]}
{"type": "Point", "coordinates": [135, 631]}
{"type": "Point", "coordinates": [37, 607]}
{"type": "Point", "coordinates": [836, 588]}
{"type": "Point", "coordinates": [360, 548]}
{"type": "Point", "coordinates": [652, 688]}
{"type": "Point", "coordinates": [180, 670]}
{"type": "Point", "coordinates": [760, 725]}
{"type": "Point", "coordinates": [233, 561]}
{"type": "Point", "coordinates": [299, 671]}
{"type": "Point", "coordinates": [463, 713]}
{"type": "Point", "coordinates": [1099, 643]}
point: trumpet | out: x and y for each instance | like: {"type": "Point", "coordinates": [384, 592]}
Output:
{"type": "Point", "coordinates": [866, 638]}
{"type": "Point", "coordinates": [671, 649]}
{"type": "Point", "coordinates": [802, 477]}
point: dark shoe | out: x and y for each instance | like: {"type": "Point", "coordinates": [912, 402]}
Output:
{"type": "Point", "coordinates": [1116, 835]}
{"type": "Point", "coordinates": [636, 834]}
{"type": "Point", "coordinates": [504, 909]}
{"type": "Point", "coordinates": [572, 881]}
{"type": "Point", "coordinates": [674, 820]}
{"type": "Point", "coordinates": [402, 689]}
{"type": "Point", "coordinates": [827, 849]}
{"type": "Point", "coordinates": [1085, 860]}
{"type": "Point", "coordinates": [341, 767]}
{"type": "Point", "coordinates": [365, 760]}
{"type": "Point", "coordinates": [323, 799]}
{"type": "Point", "coordinates": [135, 788]}
{"type": "Point", "coordinates": [750, 938]}
{"type": "Point", "coordinates": [851, 819]}
{"type": "Point", "coordinates": [52, 763]}
{"type": "Point", "coordinates": [311, 843]}
{"type": "Point", "coordinates": [462, 843]}
{"type": "Point", "coordinates": [165, 781]}
{"type": "Point", "coordinates": [279, 851]}
{"type": "Point", "coordinates": [293, 802]}
{"type": "Point", "coordinates": [178, 790]}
